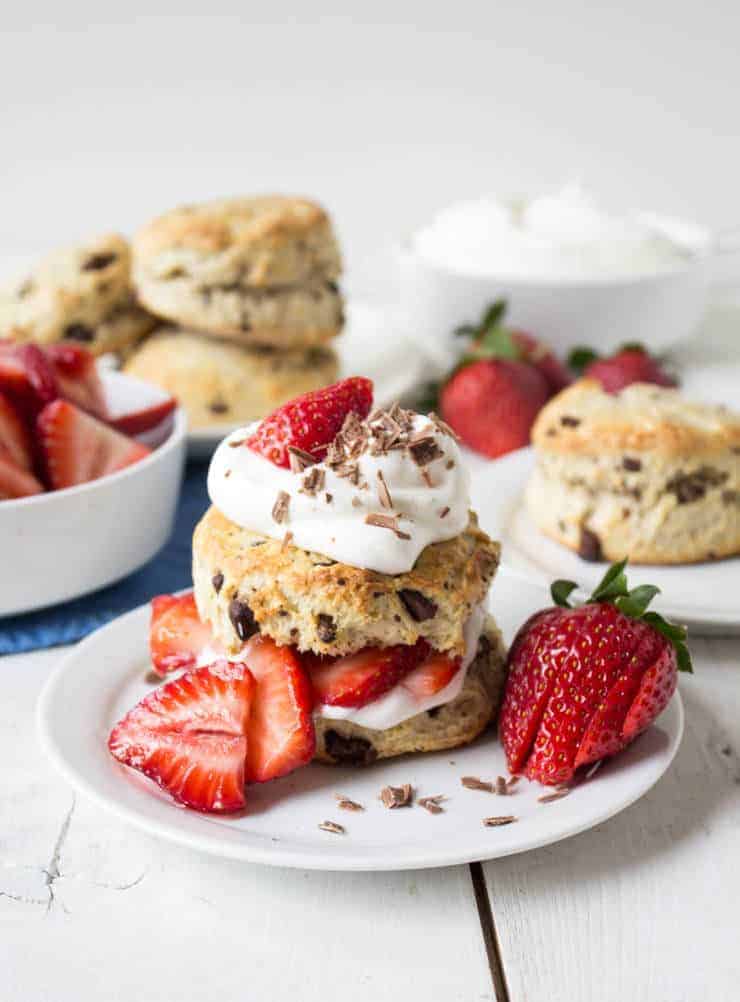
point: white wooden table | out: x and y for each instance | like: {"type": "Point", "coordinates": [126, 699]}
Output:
{"type": "Point", "coordinates": [643, 907]}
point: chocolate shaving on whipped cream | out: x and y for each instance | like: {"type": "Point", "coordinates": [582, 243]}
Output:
{"type": "Point", "coordinates": [386, 522]}
{"type": "Point", "coordinates": [299, 459]}
{"type": "Point", "coordinates": [280, 508]}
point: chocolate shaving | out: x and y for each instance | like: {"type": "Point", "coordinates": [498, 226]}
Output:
{"type": "Point", "coordinates": [432, 804]}
{"type": "Point", "coordinates": [424, 450]}
{"type": "Point", "coordinates": [348, 805]}
{"type": "Point", "coordinates": [397, 796]}
{"type": "Point", "coordinates": [235, 445]}
{"type": "Point", "coordinates": [329, 497]}
{"type": "Point", "coordinates": [512, 781]}
{"type": "Point", "coordinates": [474, 783]}
{"type": "Point", "coordinates": [299, 459]}
{"type": "Point", "coordinates": [445, 512]}
{"type": "Point", "coordinates": [548, 798]}
{"type": "Point", "coordinates": [384, 495]}
{"type": "Point", "coordinates": [386, 522]}
{"type": "Point", "coordinates": [313, 482]}
{"type": "Point", "coordinates": [332, 826]}
{"type": "Point", "coordinates": [442, 426]}
{"type": "Point", "coordinates": [502, 787]}
{"type": "Point", "coordinates": [497, 822]}
{"type": "Point", "coordinates": [287, 540]}
{"type": "Point", "coordinates": [280, 508]}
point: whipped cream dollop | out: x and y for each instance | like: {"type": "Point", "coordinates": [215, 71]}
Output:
{"type": "Point", "coordinates": [388, 488]}
{"type": "Point", "coordinates": [559, 236]}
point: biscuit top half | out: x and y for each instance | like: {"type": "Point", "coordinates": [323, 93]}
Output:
{"type": "Point", "coordinates": [642, 417]}
{"type": "Point", "coordinates": [260, 241]}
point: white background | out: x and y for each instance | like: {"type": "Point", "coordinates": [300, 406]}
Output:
{"type": "Point", "coordinates": [383, 110]}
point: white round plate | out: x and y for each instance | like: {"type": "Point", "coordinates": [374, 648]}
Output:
{"type": "Point", "coordinates": [372, 344]}
{"type": "Point", "coordinates": [703, 596]}
{"type": "Point", "coordinates": [106, 674]}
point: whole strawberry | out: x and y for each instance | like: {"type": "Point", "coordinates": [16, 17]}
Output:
{"type": "Point", "coordinates": [630, 364]}
{"type": "Point", "coordinates": [311, 422]}
{"type": "Point", "coordinates": [492, 404]}
{"type": "Point", "coordinates": [584, 682]}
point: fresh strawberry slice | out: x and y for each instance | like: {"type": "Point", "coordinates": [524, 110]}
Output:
{"type": "Point", "coordinates": [432, 675]}
{"type": "Point", "coordinates": [655, 692]}
{"type": "Point", "coordinates": [312, 421]}
{"type": "Point", "coordinates": [77, 448]}
{"type": "Point", "coordinates": [281, 731]}
{"type": "Point", "coordinates": [78, 378]}
{"type": "Point", "coordinates": [15, 481]}
{"type": "Point", "coordinates": [357, 679]}
{"type": "Point", "coordinates": [14, 437]}
{"type": "Point", "coordinates": [138, 422]}
{"type": "Point", "coordinates": [190, 736]}
{"type": "Point", "coordinates": [178, 638]}
{"type": "Point", "coordinates": [26, 377]}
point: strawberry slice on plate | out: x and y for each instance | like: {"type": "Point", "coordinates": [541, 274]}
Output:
{"type": "Point", "coordinates": [281, 731]}
{"type": "Point", "coordinates": [14, 436]}
{"type": "Point", "coordinates": [77, 448]}
{"type": "Point", "coordinates": [190, 736]}
{"type": "Point", "coordinates": [26, 377]}
{"type": "Point", "coordinates": [432, 675]}
{"type": "Point", "coordinates": [311, 422]}
{"type": "Point", "coordinates": [360, 678]}
{"type": "Point", "coordinates": [15, 480]}
{"type": "Point", "coordinates": [78, 378]}
{"type": "Point", "coordinates": [178, 638]}
{"type": "Point", "coordinates": [143, 420]}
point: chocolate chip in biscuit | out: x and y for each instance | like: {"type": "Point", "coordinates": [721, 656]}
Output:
{"type": "Point", "coordinates": [569, 422]}
{"type": "Point", "coordinates": [589, 547]}
{"type": "Point", "coordinates": [326, 628]}
{"type": "Point", "coordinates": [218, 407]}
{"type": "Point", "coordinates": [631, 464]}
{"type": "Point", "coordinates": [349, 751]}
{"type": "Point", "coordinates": [242, 619]}
{"type": "Point", "coordinates": [217, 581]}
{"type": "Point", "coordinates": [78, 332]}
{"type": "Point", "coordinates": [98, 261]}
{"type": "Point", "coordinates": [418, 606]}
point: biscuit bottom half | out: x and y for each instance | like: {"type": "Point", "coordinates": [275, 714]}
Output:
{"type": "Point", "coordinates": [341, 742]}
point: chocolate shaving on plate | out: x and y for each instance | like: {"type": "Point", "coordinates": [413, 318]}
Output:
{"type": "Point", "coordinates": [397, 796]}
{"type": "Point", "coordinates": [331, 826]}
{"type": "Point", "coordinates": [548, 798]}
{"type": "Point", "coordinates": [474, 783]}
{"type": "Point", "coordinates": [347, 804]}
{"type": "Point", "coordinates": [498, 821]}
{"type": "Point", "coordinates": [432, 804]}
{"type": "Point", "coordinates": [502, 787]}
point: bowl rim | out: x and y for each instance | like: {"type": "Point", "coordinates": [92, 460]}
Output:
{"type": "Point", "coordinates": [175, 438]}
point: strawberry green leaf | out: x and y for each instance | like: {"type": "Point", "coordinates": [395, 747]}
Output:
{"type": "Point", "coordinates": [612, 585]}
{"type": "Point", "coordinates": [676, 635]}
{"type": "Point", "coordinates": [465, 330]}
{"type": "Point", "coordinates": [637, 600]}
{"type": "Point", "coordinates": [580, 357]}
{"type": "Point", "coordinates": [494, 314]}
{"type": "Point", "coordinates": [632, 346]}
{"type": "Point", "coordinates": [560, 591]}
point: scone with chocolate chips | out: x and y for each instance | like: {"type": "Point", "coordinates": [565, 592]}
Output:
{"type": "Point", "coordinates": [260, 270]}
{"type": "Point", "coordinates": [81, 293]}
{"type": "Point", "coordinates": [642, 474]}
{"type": "Point", "coordinates": [219, 382]}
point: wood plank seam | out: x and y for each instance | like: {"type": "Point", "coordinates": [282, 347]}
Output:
{"type": "Point", "coordinates": [488, 931]}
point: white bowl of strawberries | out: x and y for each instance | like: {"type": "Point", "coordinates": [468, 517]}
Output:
{"type": "Point", "coordinates": [90, 471]}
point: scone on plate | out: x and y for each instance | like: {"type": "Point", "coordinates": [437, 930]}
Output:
{"type": "Point", "coordinates": [643, 474]}
{"type": "Point", "coordinates": [81, 293]}
{"type": "Point", "coordinates": [347, 537]}
{"type": "Point", "coordinates": [218, 382]}
{"type": "Point", "coordinates": [261, 270]}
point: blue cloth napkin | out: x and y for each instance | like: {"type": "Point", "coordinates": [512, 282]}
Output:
{"type": "Point", "coordinates": [168, 571]}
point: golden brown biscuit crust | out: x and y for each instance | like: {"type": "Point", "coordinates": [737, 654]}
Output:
{"type": "Point", "coordinates": [317, 604]}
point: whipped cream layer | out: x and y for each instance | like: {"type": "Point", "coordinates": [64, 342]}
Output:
{"type": "Point", "coordinates": [426, 499]}
{"type": "Point", "coordinates": [400, 704]}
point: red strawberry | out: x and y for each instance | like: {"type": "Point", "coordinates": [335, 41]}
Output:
{"type": "Point", "coordinates": [15, 481]}
{"type": "Point", "coordinates": [14, 437]}
{"type": "Point", "coordinates": [492, 405]}
{"type": "Point", "coordinates": [584, 682]}
{"type": "Point", "coordinates": [190, 736]}
{"type": "Point", "coordinates": [311, 422]}
{"type": "Point", "coordinates": [177, 636]}
{"type": "Point", "coordinates": [432, 675]}
{"type": "Point", "coordinates": [77, 448]}
{"type": "Point", "coordinates": [630, 365]}
{"type": "Point", "coordinates": [541, 357]}
{"type": "Point", "coordinates": [138, 422]}
{"type": "Point", "coordinates": [281, 731]}
{"type": "Point", "coordinates": [358, 679]}
{"type": "Point", "coordinates": [26, 377]}
{"type": "Point", "coordinates": [77, 377]}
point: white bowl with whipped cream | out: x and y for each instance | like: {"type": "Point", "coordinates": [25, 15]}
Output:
{"type": "Point", "coordinates": [571, 273]}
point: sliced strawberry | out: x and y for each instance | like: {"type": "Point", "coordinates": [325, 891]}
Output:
{"type": "Point", "coordinates": [138, 422]}
{"type": "Point", "coordinates": [14, 436]}
{"type": "Point", "coordinates": [654, 694]}
{"type": "Point", "coordinates": [432, 675]}
{"type": "Point", "coordinates": [177, 636]}
{"type": "Point", "coordinates": [312, 421]}
{"type": "Point", "coordinates": [190, 736]}
{"type": "Point", "coordinates": [77, 448]}
{"type": "Point", "coordinates": [15, 481]}
{"type": "Point", "coordinates": [78, 378]}
{"type": "Point", "coordinates": [360, 678]}
{"type": "Point", "coordinates": [26, 377]}
{"type": "Point", "coordinates": [281, 731]}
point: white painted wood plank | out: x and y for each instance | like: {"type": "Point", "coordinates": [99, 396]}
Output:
{"type": "Point", "coordinates": [111, 913]}
{"type": "Point", "coordinates": [643, 907]}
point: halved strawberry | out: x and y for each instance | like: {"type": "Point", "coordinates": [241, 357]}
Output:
{"type": "Point", "coordinates": [358, 679]}
{"type": "Point", "coordinates": [14, 437]}
{"type": "Point", "coordinates": [15, 481]}
{"type": "Point", "coordinates": [26, 377]}
{"type": "Point", "coordinates": [76, 447]}
{"type": "Point", "coordinates": [432, 675]}
{"type": "Point", "coordinates": [138, 422]}
{"type": "Point", "coordinates": [281, 731]}
{"type": "Point", "coordinates": [312, 421]}
{"type": "Point", "coordinates": [78, 378]}
{"type": "Point", "coordinates": [178, 638]}
{"type": "Point", "coordinates": [190, 736]}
